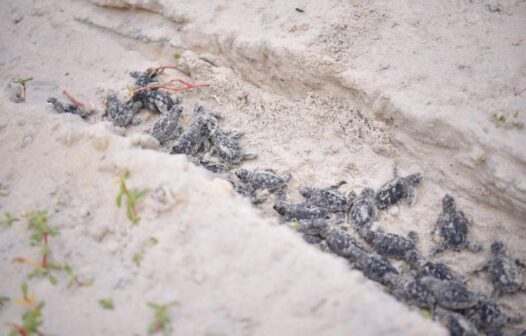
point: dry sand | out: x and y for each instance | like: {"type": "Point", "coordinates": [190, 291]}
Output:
{"type": "Point", "coordinates": [343, 91]}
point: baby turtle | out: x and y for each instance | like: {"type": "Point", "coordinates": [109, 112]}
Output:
{"type": "Point", "coordinates": [363, 211]}
{"type": "Point", "coordinates": [487, 315]}
{"type": "Point", "coordinates": [119, 113]}
{"type": "Point", "coordinates": [342, 244]}
{"type": "Point", "coordinates": [389, 244]}
{"type": "Point", "coordinates": [457, 324]}
{"type": "Point", "coordinates": [450, 294]}
{"type": "Point", "coordinates": [226, 147]}
{"type": "Point", "coordinates": [263, 179]}
{"type": "Point", "coordinates": [69, 108]}
{"type": "Point", "coordinates": [452, 225]}
{"type": "Point", "coordinates": [427, 267]}
{"type": "Point", "coordinates": [247, 191]}
{"type": "Point", "coordinates": [414, 293]}
{"type": "Point", "coordinates": [328, 198]}
{"type": "Point", "coordinates": [153, 99]}
{"type": "Point", "coordinates": [198, 135]}
{"type": "Point", "coordinates": [314, 231]}
{"type": "Point", "coordinates": [376, 268]}
{"type": "Point", "coordinates": [291, 210]}
{"type": "Point", "coordinates": [398, 189]}
{"type": "Point", "coordinates": [503, 270]}
{"type": "Point", "coordinates": [167, 126]}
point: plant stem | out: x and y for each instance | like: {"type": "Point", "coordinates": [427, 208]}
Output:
{"type": "Point", "coordinates": [187, 86]}
{"type": "Point", "coordinates": [44, 257]}
{"type": "Point", "coordinates": [162, 68]}
{"type": "Point", "coordinates": [74, 100]}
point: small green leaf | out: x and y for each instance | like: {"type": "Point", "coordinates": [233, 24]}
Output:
{"type": "Point", "coordinates": [119, 200]}
{"type": "Point", "coordinates": [177, 56]}
{"type": "Point", "coordinates": [53, 280]}
{"type": "Point", "coordinates": [107, 303]}
{"type": "Point", "coordinates": [126, 174]}
{"type": "Point", "coordinates": [140, 194]}
{"type": "Point", "coordinates": [25, 290]}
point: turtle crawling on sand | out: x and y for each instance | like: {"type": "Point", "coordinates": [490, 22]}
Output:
{"type": "Point", "coordinates": [328, 198]}
{"type": "Point", "coordinates": [503, 270]}
{"type": "Point", "coordinates": [457, 324]}
{"type": "Point", "coordinates": [153, 99]}
{"type": "Point", "coordinates": [167, 126]}
{"type": "Point", "coordinates": [488, 315]}
{"type": "Point", "coordinates": [376, 267]}
{"type": "Point", "coordinates": [414, 293]}
{"type": "Point", "coordinates": [398, 189]}
{"type": "Point", "coordinates": [450, 294]}
{"type": "Point", "coordinates": [452, 226]}
{"type": "Point", "coordinates": [263, 179]}
{"type": "Point", "coordinates": [427, 267]}
{"type": "Point", "coordinates": [226, 147]}
{"type": "Point", "coordinates": [363, 211]}
{"type": "Point", "coordinates": [119, 113]}
{"type": "Point", "coordinates": [69, 108]}
{"type": "Point", "coordinates": [314, 230]}
{"type": "Point", "coordinates": [389, 244]}
{"type": "Point", "coordinates": [343, 244]}
{"type": "Point", "coordinates": [197, 137]}
{"type": "Point", "coordinates": [291, 210]}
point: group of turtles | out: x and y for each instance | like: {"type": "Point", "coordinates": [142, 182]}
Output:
{"type": "Point", "coordinates": [430, 284]}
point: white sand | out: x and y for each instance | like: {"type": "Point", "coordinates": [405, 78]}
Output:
{"type": "Point", "coordinates": [341, 91]}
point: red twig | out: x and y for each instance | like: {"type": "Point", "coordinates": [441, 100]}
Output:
{"type": "Point", "coordinates": [74, 100]}
{"type": "Point", "coordinates": [167, 86]}
{"type": "Point", "coordinates": [162, 68]}
{"type": "Point", "coordinates": [20, 330]}
{"type": "Point", "coordinates": [44, 257]}
{"type": "Point", "coordinates": [24, 92]}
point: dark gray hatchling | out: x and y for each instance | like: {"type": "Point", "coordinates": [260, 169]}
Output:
{"type": "Point", "coordinates": [343, 244]}
{"type": "Point", "coordinates": [457, 324]}
{"type": "Point", "coordinates": [363, 211]}
{"type": "Point", "coordinates": [263, 179]}
{"type": "Point", "coordinates": [153, 99]}
{"type": "Point", "coordinates": [450, 294]}
{"type": "Point", "coordinates": [452, 226]}
{"type": "Point", "coordinates": [226, 147]}
{"type": "Point", "coordinates": [314, 231]}
{"type": "Point", "coordinates": [488, 315]}
{"type": "Point", "coordinates": [69, 108]}
{"type": "Point", "coordinates": [167, 126]}
{"type": "Point", "coordinates": [119, 113]}
{"type": "Point", "coordinates": [291, 210]}
{"type": "Point", "coordinates": [329, 198]}
{"type": "Point", "coordinates": [389, 244]}
{"type": "Point", "coordinates": [376, 268]}
{"type": "Point", "coordinates": [398, 189]}
{"type": "Point", "coordinates": [248, 191]}
{"type": "Point", "coordinates": [414, 293]}
{"type": "Point", "coordinates": [504, 271]}
{"type": "Point", "coordinates": [197, 137]}
{"type": "Point", "coordinates": [428, 267]}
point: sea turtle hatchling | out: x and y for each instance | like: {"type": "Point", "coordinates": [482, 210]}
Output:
{"type": "Point", "coordinates": [452, 226]}
{"type": "Point", "coordinates": [342, 244]}
{"type": "Point", "coordinates": [457, 324]}
{"type": "Point", "coordinates": [450, 294]}
{"type": "Point", "coordinates": [167, 126]}
{"type": "Point", "coordinates": [363, 211]}
{"type": "Point", "coordinates": [504, 271]}
{"type": "Point", "coordinates": [197, 137]}
{"type": "Point", "coordinates": [428, 267]}
{"type": "Point", "coordinates": [263, 179]}
{"type": "Point", "coordinates": [375, 267]}
{"type": "Point", "coordinates": [414, 293]}
{"type": "Point", "coordinates": [389, 244]}
{"type": "Point", "coordinates": [398, 189]}
{"type": "Point", "coordinates": [227, 148]}
{"type": "Point", "coordinates": [328, 198]}
{"type": "Point", "coordinates": [291, 210]}
{"type": "Point", "coordinates": [488, 315]}
{"type": "Point", "coordinates": [314, 231]}
{"type": "Point", "coordinates": [119, 113]}
{"type": "Point", "coordinates": [69, 108]}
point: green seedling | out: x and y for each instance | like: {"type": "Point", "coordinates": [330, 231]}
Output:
{"type": "Point", "coordinates": [38, 223]}
{"type": "Point", "coordinates": [132, 197]}
{"type": "Point", "coordinates": [9, 219]}
{"type": "Point", "coordinates": [3, 300]}
{"type": "Point", "coordinates": [162, 321]}
{"type": "Point", "coordinates": [74, 279]}
{"type": "Point", "coordinates": [32, 317]}
{"type": "Point", "coordinates": [107, 303]}
{"type": "Point", "coordinates": [502, 119]}
{"type": "Point", "coordinates": [23, 82]}
{"type": "Point", "coordinates": [177, 56]}
{"type": "Point", "coordinates": [138, 257]}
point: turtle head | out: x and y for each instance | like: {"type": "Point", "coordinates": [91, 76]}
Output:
{"type": "Point", "coordinates": [448, 203]}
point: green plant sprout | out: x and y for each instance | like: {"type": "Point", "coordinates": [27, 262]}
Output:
{"type": "Point", "coordinates": [501, 119]}
{"type": "Point", "coordinates": [9, 219]}
{"type": "Point", "coordinates": [162, 321]}
{"type": "Point", "coordinates": [3, 300]}
{"type": "Point", "coordinates": [137, 257]}
{"type": "Point", "coordinates": [107, 303]}
{"type": "Point", "coordinates": [31, 319]}
{"type": "Point", "coordinates": [38, 223]}
{"type": "Point", "coordinates": [132, 197]}
{"type": "Point", "coordinates": [74, 279]}
{"type": "Point", "coordinates": [23, 81]}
